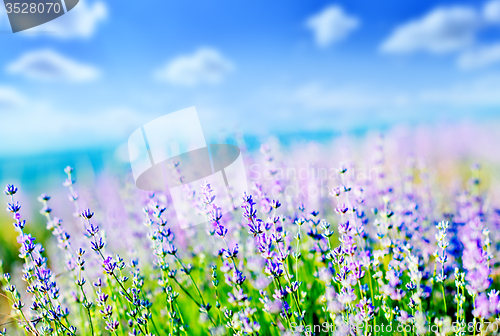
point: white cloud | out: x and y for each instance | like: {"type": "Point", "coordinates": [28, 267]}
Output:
{"type": "Point", "coordinates": [445, 29]}
{"type": "Point", "coordinates": [479, 92]}
{"type": "Point", "coordinates": [206, 65]}
{"type": "Point", "coordinates": [480, 57]}
{"type": "Point", "coordinates": [11, 98]}
{"type": "Point", "coordinates": [450, 29]}
{"type": "Point", "coordinates": [331, 25]}
{"type": "Point", "coordinates": [316, 97]}
{"type": "Point", "coordinates": [47, 65]}
{"type": "Point", "coordinates": [48, 128]}
{"type": "Point", "coordinates": [491, 11]}
{"type": "Point", "coordinates": [80, 22]}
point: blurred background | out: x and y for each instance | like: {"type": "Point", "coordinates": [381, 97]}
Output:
{"type": "Point", "coordinates": [74, 89]}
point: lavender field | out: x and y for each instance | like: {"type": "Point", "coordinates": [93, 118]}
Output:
{"type": "Point", "coordinates": [379, 235]}
{"type": "Point", "coordinates": [253, 167]}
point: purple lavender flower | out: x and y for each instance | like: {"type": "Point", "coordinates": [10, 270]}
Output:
{"type": "Point", "coordinates": [39, 277]}
{"type": "Point", "coordinates": [97, 245]}
{"type": "Point", "coordinates": [87, 214]}
{"type": "Point", "coordinates": [10, 190]}
{"type": "Point", "coordinates": [109, 265]}
{"type": "Point", "coordinates": [274, 269]}
{"type": "Point", "coordinates": [13, 207]}
{"type": "Point", "coordinates": [213, 212]}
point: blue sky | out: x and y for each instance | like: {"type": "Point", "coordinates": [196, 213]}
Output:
{"type": "Point", "coordinates": [92, 76]}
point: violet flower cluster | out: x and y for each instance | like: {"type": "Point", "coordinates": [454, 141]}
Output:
{"type": "Point", "coordinates": [398, 249]}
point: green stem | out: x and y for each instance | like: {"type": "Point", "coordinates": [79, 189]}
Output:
{"type": "Point", "coordinates": [192, 280]}
{"type": "Point", "coordinates": [474, 304]}
{"type": "Point", "coordinates": [444, 298]}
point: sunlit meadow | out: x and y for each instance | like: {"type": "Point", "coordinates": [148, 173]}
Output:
{"type": "Point", "coordinates": [363, 237]}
